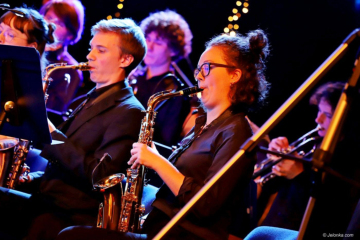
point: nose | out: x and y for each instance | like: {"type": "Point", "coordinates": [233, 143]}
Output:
{"type": "Point", "coordinates": [150, 45]}
{"type": "Point", "coordinates": [198, 76]}
{"type": "Point", "coordinates": [320, 118]}
{"type": "Point", "coordinates": [90, 56]}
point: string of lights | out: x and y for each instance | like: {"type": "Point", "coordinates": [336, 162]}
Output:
{"type": "Point", "coordinates": [120, 6]}
{"type": "Point", "coordinates": [241, 8]}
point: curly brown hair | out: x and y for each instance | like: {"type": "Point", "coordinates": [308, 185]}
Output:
{"type": "Point", "coordinates": [248, 54]}
{"type": "Point", "coordinates": [172, 27]}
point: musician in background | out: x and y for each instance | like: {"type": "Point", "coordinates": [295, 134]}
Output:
{"type": "Point", "coordinates": [230, 72]}
{"type": "Point", "coordinates": [107, 122]}
{"type": "Point", "coordinates": [68, 16]}
{"type": "Point", "coordinates": [292, 190]}
{"type": "Point", "coordinates": [28, 31]}
{"type": "Point", "coordinates": [168, 38]}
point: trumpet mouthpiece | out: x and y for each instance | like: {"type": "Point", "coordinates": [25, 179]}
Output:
{"type": "Point", "coordinates": [318, 128]}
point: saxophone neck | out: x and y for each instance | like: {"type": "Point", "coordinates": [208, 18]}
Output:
{"type": "Point", "coordinates": [161, 96]}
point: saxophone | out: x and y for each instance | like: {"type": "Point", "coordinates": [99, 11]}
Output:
{"type": "Point", "coordinates": [131, 209]}
{"type": "Point", "coordinates": [53, 67]}
{"type": "Point", "coordinates": [13, 171]}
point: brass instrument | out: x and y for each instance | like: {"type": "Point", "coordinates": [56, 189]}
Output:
{"type": "Point", "coordinates": [131, 208]}
{"type": "Point", "coordinates": [13, 156]}
{"type": "Point", "coordinates": [7, 146]}
{"type": "Point", "coordinates": [293, 147]}
{"type": "Point", "coordinates": [53, 67]}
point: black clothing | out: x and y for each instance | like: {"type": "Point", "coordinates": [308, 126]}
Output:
{"type": "Point", "coordinates": [211, 217]}
{"type": "Point", "coordinates": [290, 203]}
{"type": "Point", "coordinates": [108, 123]}
{"type": "Point", "coordinates": [335, 199]}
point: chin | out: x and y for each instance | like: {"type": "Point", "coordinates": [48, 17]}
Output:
{"type": "Point", "coordinates": [321, 133]}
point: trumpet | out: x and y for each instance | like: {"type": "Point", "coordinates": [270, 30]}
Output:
{"type": "Point", "coordinates": [53, 67]}
{"type": "Point", "coordinates": [298, 144]}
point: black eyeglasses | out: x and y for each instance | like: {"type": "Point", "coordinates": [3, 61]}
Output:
{"type": "Point", "coordinates": [205, 68]}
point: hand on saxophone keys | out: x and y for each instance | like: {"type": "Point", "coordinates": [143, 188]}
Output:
{"type": "Point", "coordinates": [141, 154]}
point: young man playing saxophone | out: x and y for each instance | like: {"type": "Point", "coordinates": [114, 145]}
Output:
{"type": "Point", "coordinates": [107, 122]}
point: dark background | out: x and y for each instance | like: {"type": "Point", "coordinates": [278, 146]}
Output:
{"type": "Point", "coordinates": [302, 35]}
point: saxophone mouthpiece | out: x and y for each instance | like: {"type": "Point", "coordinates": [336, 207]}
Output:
{"type": "Point", "coordinates": [83, 66]}
{"type": "Point", "coordinates": [191, 90]}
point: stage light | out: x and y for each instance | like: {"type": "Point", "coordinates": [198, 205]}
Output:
{"type": "Point", "coordinates": [232, 33]}
{"type": "Point", "coordinates": [109, 17]}
{"type": "Point", "coordinates": [120, 6]}
{"type": "Point", "coordinates": [236, 11]}
{"type": "Point", "coordinates": [117, 14]}
{"type": "Point", "coordinates": [121, 0]}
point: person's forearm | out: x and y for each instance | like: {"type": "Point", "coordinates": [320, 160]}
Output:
{"type": "Point", "coordinates": [170, 175]}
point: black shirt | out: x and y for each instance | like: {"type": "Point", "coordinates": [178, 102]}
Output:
{"type": "Point", "coordinates": [210, 218]}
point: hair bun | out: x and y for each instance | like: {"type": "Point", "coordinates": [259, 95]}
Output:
{"type": "Point", "coordinates": [258, 44]}
{"type": "Point", "coordinates": [49, 36]}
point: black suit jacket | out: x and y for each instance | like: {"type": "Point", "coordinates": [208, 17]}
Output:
{"type": "Point", "coordinates": [111, 125]}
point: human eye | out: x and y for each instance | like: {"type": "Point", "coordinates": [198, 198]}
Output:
{"type": "Point", "coordinates": [101, 50]}
{"type": "Point", "coordinates": [206, 67]}
{"type": "Point", "coordinates": [328, 115]}
{"type": "Point", "coordinates": [10, 34]}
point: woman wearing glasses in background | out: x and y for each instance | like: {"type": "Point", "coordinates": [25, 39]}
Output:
{"type": "Point", "coordinates": [31, 30]}
{"type": "Point", "coordinates": [230, 72]}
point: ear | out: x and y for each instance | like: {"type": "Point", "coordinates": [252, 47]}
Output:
{"type": "Point", "coordinates": [126, 60]}
{"type": "Point", "coordinates": [236, 75]}
{"type": "Point", "coordinates": [33, 44]}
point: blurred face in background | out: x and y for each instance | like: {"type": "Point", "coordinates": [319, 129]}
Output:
{"type": "Point", "coordinates": [11, 36]}
{"type": "Point", "coordinates": [61, 33]}
{"type": "Point", "coordinates": [158, 51]}
{"type": "Point", "coordinates": [325, 113]}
